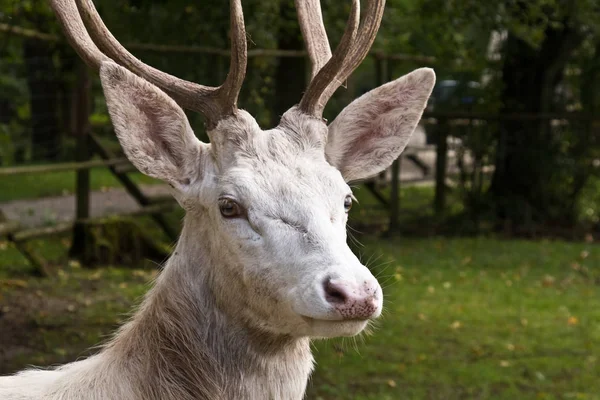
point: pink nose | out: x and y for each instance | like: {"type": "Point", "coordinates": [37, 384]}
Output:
{"type": "Point", "coordinates": [350, 300]}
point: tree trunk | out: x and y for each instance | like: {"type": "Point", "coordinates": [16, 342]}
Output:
{"type": "Point", "coordinates": [526, 152]}
{"type": "Point", "coordinates": [43, 82]}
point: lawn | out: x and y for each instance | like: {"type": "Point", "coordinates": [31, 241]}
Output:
{"type": "Point", "coordinates": [477, 318]}
{"type": "Point", "coordinates": [474, 318]}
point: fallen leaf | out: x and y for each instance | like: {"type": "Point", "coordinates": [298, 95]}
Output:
{"type": "Point", "coordinates": [540, 376]}
{"type": "Point", "coordinates": [96, 275]}
{"type": "Point", "coordinates": [548, 280]}
{"type": "Point", "coordinates": [391, 383]}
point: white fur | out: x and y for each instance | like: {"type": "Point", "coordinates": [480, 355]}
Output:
{"type": "Point", "coordinates": [231, 314]}
{"type": "Point", "coordinates": [371, 132]}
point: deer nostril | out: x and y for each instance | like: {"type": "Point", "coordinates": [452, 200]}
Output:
{"type": "Point", "coordinates": [335, 293]}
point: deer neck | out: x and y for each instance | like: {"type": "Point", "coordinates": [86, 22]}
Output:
{"type": "Point", "coordinates": [191, 343]}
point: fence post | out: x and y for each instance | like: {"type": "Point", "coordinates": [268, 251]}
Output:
{"type": "Point", "coordinates": [82, 130]}
{"type": "Point", "coordinates": [395, 196]}
{"type": "Point", "coordinates": [383, 76]}
{"type": "Point", "coordinates": [439, 202]}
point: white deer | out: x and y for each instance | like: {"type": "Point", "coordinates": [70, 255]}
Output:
{"type": "Point", "coordinates": [262, 265]}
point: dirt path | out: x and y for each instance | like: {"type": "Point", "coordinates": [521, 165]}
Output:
{"type": "Point", "coordinates": [52, 210]}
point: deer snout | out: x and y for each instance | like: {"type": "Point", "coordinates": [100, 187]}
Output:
{"type": "Point", "coordinates": [353, 300]}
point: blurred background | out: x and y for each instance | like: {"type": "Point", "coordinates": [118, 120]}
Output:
{"type": "Point", "coordinates": [484, 232]}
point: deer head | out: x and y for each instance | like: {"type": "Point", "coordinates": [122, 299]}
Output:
{"type": "Point", "coordinates": [275, 201]}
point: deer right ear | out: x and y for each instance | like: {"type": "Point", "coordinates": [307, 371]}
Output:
{"type": "Point", "coordinates": [152, 129]}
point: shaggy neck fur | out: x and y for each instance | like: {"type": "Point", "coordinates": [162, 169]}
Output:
{"type": "Point", "coordinates": [189, 340]}
{"type": "Point", "coordinates": [198, 340]}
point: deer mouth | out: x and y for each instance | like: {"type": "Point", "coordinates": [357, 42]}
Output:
{"type": "Point", "coordinates": [329, 328]}
{"type": "Point", "coordinates": [335, 320]}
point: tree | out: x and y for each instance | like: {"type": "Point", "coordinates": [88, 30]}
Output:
{"type": "Point", "coordinates": [528, 155]}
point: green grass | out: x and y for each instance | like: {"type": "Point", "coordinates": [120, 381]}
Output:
{"type": "Point", "coordinates": [56, 320]}
{"type": "Point", "coordinates": [32, 186]}
{"type": "Point", "coordinates": [473, 318]}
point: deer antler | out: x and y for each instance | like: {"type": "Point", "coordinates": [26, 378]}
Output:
{"type": "Point", "coordinates": [100, 45]}
{"type": "Point", "coordinates": [313, 31]}
{"type": "Point", "coordinates": [330, 71]}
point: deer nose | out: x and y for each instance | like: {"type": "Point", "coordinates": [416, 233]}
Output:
{"type": "Point", "coordinates": [351, 300]}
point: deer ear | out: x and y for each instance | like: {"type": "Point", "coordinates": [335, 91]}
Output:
{"type": "Point", "coordinates": [152, 129]}
{"type": "Point", "coordinates": [371, 132]}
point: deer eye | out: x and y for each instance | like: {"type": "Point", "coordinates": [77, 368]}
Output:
{"type": "Point", "coordinates": [229, 208]}
{"type": "Point", "coordinates": [348, 203]}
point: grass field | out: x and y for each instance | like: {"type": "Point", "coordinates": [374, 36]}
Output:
{"type": "Point", "coordinates": [464, 319]}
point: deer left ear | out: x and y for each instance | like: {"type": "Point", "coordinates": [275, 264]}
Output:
{"type": "Point", "coordinates": [371, 132]}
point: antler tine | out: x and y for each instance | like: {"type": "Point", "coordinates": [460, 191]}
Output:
{"type": "Point", "coordinates": [365, 38]}
{"type": "Point", "coordinates": [214, 102]}
{"type": "Point", "coordinates": [239, 57]}
{"type": "Point", "coordinates": [314, 33]}
{"type": "Point", "coordinates": [188, 94]}
{"type": "Point", "coordinates": [311, 101]}
{"type": "Point", "coordinates": [76, 33]}
{"type": "Point", "coordinates": [314, 100]}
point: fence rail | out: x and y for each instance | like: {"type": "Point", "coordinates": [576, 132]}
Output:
{"type": "Point", "coordinates": [60, 167]}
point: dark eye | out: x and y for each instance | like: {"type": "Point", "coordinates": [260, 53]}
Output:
{"type": "Point", "coordinates": [229, 208]}
{"type": "Point", "coordinates": [348, 203]}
